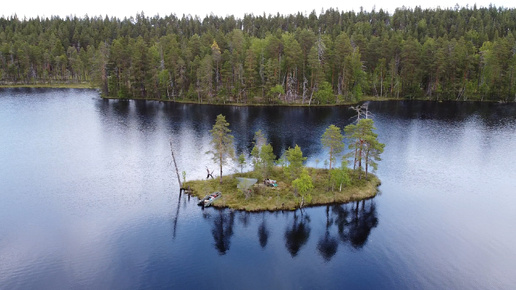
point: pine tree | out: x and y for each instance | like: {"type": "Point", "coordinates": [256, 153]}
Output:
{"type": "Point", "coordinates": [222, 142]}
{"type": "Point", "coordinates": [365, 148]}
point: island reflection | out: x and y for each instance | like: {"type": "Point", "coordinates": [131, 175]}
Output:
{"type": "Point", "coordinates": [345, 224]}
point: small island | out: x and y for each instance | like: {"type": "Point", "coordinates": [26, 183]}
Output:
{"type": "Point", "coordinates": [285, 183]}
{"type": "Point", "coordinates": [261, 197]}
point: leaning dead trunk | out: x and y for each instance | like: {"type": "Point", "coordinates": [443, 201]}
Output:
{"type": "Point", "coordinates": [175, 165]}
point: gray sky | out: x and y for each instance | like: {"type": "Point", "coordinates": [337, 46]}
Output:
{"type": "Point", "coordinates": [127, 8]}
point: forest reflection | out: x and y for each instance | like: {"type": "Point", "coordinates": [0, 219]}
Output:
{"type": "Point", "coordinates": [345, 224]}
{"type": "Point", "coordinates": [279, 123]}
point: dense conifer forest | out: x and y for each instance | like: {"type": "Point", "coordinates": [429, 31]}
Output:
{"type": "Point", "coordinates": [465, 53]}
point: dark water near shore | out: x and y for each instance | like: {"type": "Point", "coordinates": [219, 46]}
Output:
{"type": "Point", "coordinates": [89, 199]}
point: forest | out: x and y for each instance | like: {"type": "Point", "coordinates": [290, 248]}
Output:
{"type": "Point", "coordinates": [461, 53]}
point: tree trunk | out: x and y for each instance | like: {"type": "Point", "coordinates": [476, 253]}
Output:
{"type": "Point", "coordinates": [366, 162]}
{"type": "Point", "coordinates": [220, 162]}
{"type": "Point", "coordinates": [331, 156]}
{"type": "Point", "coordinates": [175, 165]}
{"type": "Point", "coordinates": [360, 160]}
{"type": "Point", "coordinates": [381, 85]}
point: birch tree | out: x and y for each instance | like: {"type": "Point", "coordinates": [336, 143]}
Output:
{"type": "Point", "coordinates": [295, 160]}
{"type": "Point", "coordinates": [332, 139]}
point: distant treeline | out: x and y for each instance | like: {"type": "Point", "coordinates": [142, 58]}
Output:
{"type": "Point", "coordinates": [440, 54]}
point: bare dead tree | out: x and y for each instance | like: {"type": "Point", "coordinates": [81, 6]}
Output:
{"type": "Point", "coordinates": [305, 83]}
{"type": "Point", "coordinates": [175, 165]}
{"type": "Point", "coordinates": [362, 111]}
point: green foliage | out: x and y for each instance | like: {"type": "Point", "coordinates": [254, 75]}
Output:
{"type": "Point", "coordinates": [276, 92]}
{"type": "Point", "coordinates": [304, 183]}
{"type": "Point", "coordinates": [262, 155]}
{"type": "Point", "coordinates": [333, 140]}
{"type": "Point", "coordinates": [440, 54]}
{"type": "Point", "coordinates": [282, 161]}
{"type": "Point", "coordinates": [339, 176]}
{"type": "Point", "coordinates": [283, 196]}
{"type": "Point", "coordinates": [222, 143]}
{"type": "Point", "coordinates": [295, 159]}
{"type": "Point", "coordinates": [259, 139]}
{"type": "Point", "coordinates": [241, 161]}
{"type": "Point", "coordinates": [256, 161]}
{"type": "Point", "coordinates": [364, 145]}
{"type": "Point", "coordinates": [324, 94]}
{"type": "Point", "coordinates": [267, 158]}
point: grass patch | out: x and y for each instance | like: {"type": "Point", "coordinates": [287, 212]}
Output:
{"type": "Point", "coordinates": [283, 197]}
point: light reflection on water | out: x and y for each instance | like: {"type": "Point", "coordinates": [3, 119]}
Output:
{"type": "Point", "coordinates": [89, 199]}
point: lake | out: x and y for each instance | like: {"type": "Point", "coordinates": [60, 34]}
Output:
{"type": "Point", "coordinates": [89, 198]}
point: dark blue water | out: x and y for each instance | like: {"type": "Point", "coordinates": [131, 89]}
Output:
{"type": "Point", "coordinates": [89, 199]}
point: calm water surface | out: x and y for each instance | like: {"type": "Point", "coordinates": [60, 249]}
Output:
{"type": "Point", "coordinates": [89, 199]}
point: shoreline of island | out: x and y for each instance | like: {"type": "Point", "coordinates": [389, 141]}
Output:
{"type": "Point", "coordinates": [284, 196]}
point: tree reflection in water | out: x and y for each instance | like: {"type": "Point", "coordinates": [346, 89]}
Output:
{"type": "Point", "coordinates": [263, 232]}
{"type": "Point", "coordinates": [174, 221]}
{"type": "Point", "coordinates": [223, 230]}
{"type": "Point", "coordinates": [361, 225]}
{"type": "Point", "coordinates": [177, 215]}
{"type": "Point", "coordinates": [244, 218]}
{"type": "Point", "coordinates": [349, 224]}
{"type": "Point", "coordinates": [327, 245]}
{"type": "Point", "coordinates": [297, 235]}
{"type": "Point", "coordinates": [354, 225]}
